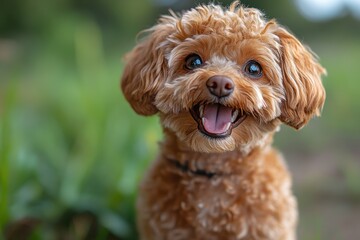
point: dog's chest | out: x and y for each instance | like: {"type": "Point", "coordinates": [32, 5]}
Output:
{"type": "Point", "coordinates": [201, 204]}
{"type": "Point", "coordinates": [182, 205]}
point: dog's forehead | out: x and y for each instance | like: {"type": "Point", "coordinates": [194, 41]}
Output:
{"type": "Point", "coordinates": [211, 30]}
{"type": "Point", "coordinates": [213, 19]}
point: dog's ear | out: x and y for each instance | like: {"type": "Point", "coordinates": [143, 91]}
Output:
{"type": "Point", "coordinates": [304, 92]}
{"type": "Point", "coordinates": [146, 70]}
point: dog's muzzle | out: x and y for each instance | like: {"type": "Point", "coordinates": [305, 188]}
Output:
{"type": "Point", "coordinates": [214, 119]}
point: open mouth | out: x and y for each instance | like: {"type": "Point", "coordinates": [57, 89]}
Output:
{"type": "Point", "coordinates": [216, 120]}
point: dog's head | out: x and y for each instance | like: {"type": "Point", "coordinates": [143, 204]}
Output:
{"type": "Point", "coordinates": [222, 79]}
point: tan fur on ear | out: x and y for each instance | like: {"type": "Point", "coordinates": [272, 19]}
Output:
{"type": "Point", "coordinates": [305, 94]}
{"type": "Point", "coordinates": [146, 69]}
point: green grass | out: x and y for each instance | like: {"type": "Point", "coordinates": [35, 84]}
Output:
{"type": "Point", "coordinates": [69, 141]}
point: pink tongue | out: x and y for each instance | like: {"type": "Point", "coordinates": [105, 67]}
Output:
{"type": "Point", "coordinates": [216, 118]}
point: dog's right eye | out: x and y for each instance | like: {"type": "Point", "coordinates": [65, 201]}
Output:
{"type": "Point", "coordinates": [193, 61]}
{"type": "Point", "coordinates": [253, 69]}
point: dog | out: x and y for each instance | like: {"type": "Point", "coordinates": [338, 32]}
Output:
{"type": "Point", "coordinates": [222, 80]}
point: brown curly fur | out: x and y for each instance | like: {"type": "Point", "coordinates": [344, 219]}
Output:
{"type": "Point", "coordinates": [236, 187]}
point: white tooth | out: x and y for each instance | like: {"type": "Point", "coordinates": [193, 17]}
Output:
{"type": "Point", "coordinates": [201, 110]}
{"type": "Point", "coordinates": [234, 115]}
{"type": "Point", "coordinates": [203, 121]}
{"type": "Point", "coordinates": [228, 126]}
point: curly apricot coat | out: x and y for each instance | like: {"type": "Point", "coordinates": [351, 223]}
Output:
{"type": "Point", "coordinates": [217, 176]}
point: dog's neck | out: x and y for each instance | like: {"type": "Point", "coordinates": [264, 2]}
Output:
{"type": "Point", "coordinates": [207, 164]}
{"type": "Point", "coordinates": [184, 167]}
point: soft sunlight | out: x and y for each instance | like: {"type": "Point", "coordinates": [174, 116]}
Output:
{"type": "Point", "coordinates": [319, 10]}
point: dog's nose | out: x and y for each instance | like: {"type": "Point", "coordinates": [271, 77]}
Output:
{"type": "Point", "coordinates": [220, 86]}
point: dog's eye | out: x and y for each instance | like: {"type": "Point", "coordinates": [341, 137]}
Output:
{"type": "Point", "coordinates": [253, 69]}
{"type": "Point", "coordinates": [193, 61]}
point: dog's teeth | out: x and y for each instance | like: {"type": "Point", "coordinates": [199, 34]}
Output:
{"type": "Point", "coordinates": [234, 115]}
{"type": "Point", "coordinates": [201, 110]}
{"type": "Point", "coordinates": [228, 126]}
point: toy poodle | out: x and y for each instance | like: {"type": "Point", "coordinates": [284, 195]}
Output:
{"type": "Point", "coordinates": [222, 80]}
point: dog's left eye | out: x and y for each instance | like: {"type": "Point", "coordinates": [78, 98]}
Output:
{"type": "Point", "coordinates": [193, 61]}
{"type": "Point", "coordinates": [253, 69]}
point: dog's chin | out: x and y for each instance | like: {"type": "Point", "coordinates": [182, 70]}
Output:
{"type": "Point", "coordinates": [199, 142]}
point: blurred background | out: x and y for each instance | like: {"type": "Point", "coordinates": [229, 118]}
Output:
{"type": "Point", "coordinates": [72, 151]}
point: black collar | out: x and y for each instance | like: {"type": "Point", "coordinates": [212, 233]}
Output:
{"type": "Point", "coordinates": [185, 168]}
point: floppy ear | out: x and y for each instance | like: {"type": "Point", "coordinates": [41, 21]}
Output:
{"type": "Point", "coordinates": [304, 92]}
{"type": "Point", "coordinates": [146, 70]}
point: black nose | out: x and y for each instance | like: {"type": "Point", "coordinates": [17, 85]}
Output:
{"type": "Point", "coordinates": [220, 86]}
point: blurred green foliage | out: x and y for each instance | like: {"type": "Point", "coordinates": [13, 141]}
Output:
{"type": "Point", "coordinates": [71, 149]}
